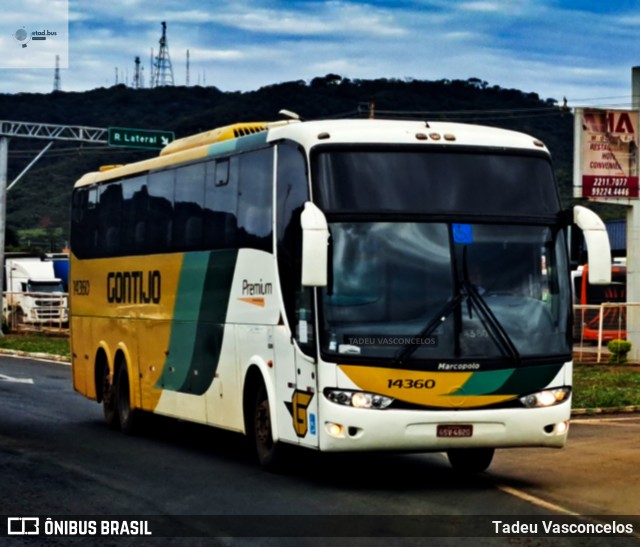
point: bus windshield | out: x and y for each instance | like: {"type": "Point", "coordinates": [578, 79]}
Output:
{"type": "Point", "coordinates": [405, 181]}
{"type": "Point", "coordinates": [430, 290]}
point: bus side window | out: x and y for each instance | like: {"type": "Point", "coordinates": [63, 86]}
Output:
{"type": "Point", "coordinates": [134, 215]}
{"type": "Point", "coordinates": [255, 196]}
{"type": "Point", "coordinates": [161, 189]}
{"type": "Point", "coordinates": [220, 205]}
{"type": "Point", "coordinates": [110, 219]}
{"type": "Point", "coordinates": [189, 197]}
{"type": "Point", "coordinates": [84, 233]}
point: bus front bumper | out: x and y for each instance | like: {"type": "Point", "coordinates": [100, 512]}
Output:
{"type": "Point", "coordinates": [352, 429]}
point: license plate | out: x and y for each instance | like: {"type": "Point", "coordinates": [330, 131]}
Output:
{"type": "Point", "coordinates": [455, 430]}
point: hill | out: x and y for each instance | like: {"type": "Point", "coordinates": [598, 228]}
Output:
{"type": "Point", "coordinates": [39, 204]}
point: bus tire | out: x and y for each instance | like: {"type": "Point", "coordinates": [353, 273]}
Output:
{"type": "Point", "coordinates": [109, 400]}
{"type": "Point", "coordinates": [470, 460]}
{"type": "Point", "coordinates": [126, 415]}
{"type": "Point", "coordinates": [270, 453]}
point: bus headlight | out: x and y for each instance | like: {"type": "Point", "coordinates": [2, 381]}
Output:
{"type": "Point", "coordinates": [548, 397]}
{"type": "Point", "coordinates": [358, 399]}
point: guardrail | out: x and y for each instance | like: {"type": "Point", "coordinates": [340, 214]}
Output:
{"type": "Point", "coordinates": [35, 311]}
{"type": "Point", "coordinates": [598, 324]}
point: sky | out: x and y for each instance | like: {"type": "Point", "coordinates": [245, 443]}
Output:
{"type": "Point", "coordinates": [581, 50]}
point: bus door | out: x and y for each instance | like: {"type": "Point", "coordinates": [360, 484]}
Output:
{"type": "Point", "coordinates": [297, 380]}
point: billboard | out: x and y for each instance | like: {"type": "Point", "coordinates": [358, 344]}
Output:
{"type": "Point", "coordinates": [606, 153]}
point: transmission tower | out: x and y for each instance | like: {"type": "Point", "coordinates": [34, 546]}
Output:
{"type": "Point", "coordinates": [163, 72]}
{"type": "Point", "coordinates": [137, 84]}
{"type": "Point", "coordinates": [56, 75]}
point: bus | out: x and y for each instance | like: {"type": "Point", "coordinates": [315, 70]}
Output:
{"type": "Point", "coordinates": [339, 285]}
{"type": "Point", "coordinates": [614, 319]}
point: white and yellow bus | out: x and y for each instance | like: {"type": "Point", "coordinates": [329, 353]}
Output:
{"type": "Point", "coordinates": [342, 285]}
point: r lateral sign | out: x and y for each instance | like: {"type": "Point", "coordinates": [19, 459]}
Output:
{"type": "Point", "coordinates": [139, 138]}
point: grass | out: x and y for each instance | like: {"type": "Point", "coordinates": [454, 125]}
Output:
{"type": "Point", "coordinates": [37, 343]}
{"type": "Point", "coordinates": [606, 386]}
{"type": "Point", "coordinates": [594, 386]}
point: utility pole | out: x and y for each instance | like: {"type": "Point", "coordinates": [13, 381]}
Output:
{"type": "Point", "coordinates": [4, 159]}
{"type": "Point", "coordinates": [633, 245]}
{"type": "Point", "coordinates": [187, 78]}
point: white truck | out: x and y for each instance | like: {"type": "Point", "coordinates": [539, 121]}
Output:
{"type": "Point", "coordinates": [33, 294]}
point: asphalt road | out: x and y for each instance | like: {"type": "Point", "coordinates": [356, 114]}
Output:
{"type": "Point", "coordinates": [58, 458]}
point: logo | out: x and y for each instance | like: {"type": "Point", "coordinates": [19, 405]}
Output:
{"type": "Point", "coordinates": [23, 36]}
{"type": "Point", "coordinates": [298, 409]}
{"type": "Point", "coordinates": [23, 526]}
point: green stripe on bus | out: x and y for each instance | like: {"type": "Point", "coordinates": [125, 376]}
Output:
{"type": "Point", "coordinates": [198, 326]}
{"type": "Point", "coordinates": [509, 381]}
{"type": "Point", "coordinates": [530, 379]}
{"type": "Point", "coordinates": [484, 383]}
{"type": "Point", "coordinates": [249, 142]}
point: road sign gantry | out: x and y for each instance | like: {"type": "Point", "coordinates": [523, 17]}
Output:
{"type": "Point", "coordinates": [132, 138]}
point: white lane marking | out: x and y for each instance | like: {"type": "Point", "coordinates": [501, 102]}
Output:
{"type": "Point", "coordinates": [5, 378]}
{"type": "Point", "coordinates": [551, 506]}
{"type": "Point", "coordinates": [536, 500]}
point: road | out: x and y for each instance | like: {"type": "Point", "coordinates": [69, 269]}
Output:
{"type": "Point", "coordinates": [57, 457]}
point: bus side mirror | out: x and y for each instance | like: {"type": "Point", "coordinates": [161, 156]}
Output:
{"type": "Point", "coordinates": [315, 245]}
{"type": "Point", "coordinates": [598, 247]}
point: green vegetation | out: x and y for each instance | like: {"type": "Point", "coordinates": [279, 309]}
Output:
{"type": "Point", "coordinates": [619, 350]}
{"type": "Point", "coordinates": [36, 343]}
{"type": "Point", "coordinates": [606, 386]}
{"type": "Point", "coordinates": [42, 198]}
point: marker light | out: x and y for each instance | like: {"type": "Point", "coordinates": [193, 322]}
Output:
{"type": "Point", "coordinates": [548, 397]}
{"type": "Point", "coordinates": [358, 399]}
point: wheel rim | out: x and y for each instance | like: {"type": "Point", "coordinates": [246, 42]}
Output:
{"type": "Point", "coordinates": [262, 426]}
{"type": "Point", "coordinates": [124, 409]}
{"type": "Point", "coordinates": [107, 391]}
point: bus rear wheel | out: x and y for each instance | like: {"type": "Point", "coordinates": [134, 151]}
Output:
{"type": "Point", "coordinates": [470, 460]}
{"type": "Point", "coordinates": [270, 453]}
{"type": "Point", "coordinates": [109, 400]}
{"type": "Point", "coordinates": [126, 415]}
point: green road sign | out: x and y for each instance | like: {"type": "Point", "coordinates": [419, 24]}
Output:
{"type": "Point", "coordinates": [139, 138]}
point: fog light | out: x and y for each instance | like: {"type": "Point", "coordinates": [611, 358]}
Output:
{"type": "Point", "coordinates": [562, 428]}
{"type": "Point", "coordinates": [335, 430]}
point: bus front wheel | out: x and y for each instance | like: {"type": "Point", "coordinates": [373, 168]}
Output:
{"type": "Point", "coordinates": [269, 452]}
{"type": "Point", "coordinates": [470, 460]}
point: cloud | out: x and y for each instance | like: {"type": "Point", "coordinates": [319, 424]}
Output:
{"type": "Point", "coordinates": [320, 18]}
{"type": "Point", "coordinates": [547, 46]}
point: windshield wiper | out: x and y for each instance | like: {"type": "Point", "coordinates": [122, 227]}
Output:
{"type": "Point", "coordinates": [490, 322]}
{"type": "Point", "coordinates": [431, 326]}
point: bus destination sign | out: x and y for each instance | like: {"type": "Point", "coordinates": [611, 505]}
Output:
{"type": "Point", "coordinates": [139, 138]}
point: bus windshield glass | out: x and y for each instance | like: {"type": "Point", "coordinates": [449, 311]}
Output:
{"type": "Point", "coordinates": [405, 181]}
{"type": "Point", "coordinates": [428, 289]}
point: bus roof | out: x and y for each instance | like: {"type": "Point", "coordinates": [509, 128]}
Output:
{"type": "Point", "coordinates": [247, 136]}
